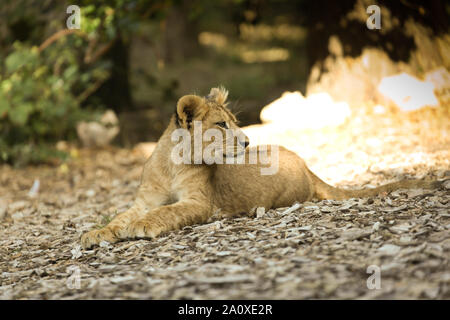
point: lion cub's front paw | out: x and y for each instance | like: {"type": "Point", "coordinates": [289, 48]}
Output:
{"type": "Point", "coordinates": [142, 229]}
{"type": "Point", "coordinates": [94, 237]}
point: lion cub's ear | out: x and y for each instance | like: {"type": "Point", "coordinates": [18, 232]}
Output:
{"type": "Point", "coordinates": [190, 108]}
{"type": "Point", "coordinates": [219, 95]}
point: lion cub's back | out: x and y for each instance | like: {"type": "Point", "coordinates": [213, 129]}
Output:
{"type": "Point", "coordinates": [240, 187]}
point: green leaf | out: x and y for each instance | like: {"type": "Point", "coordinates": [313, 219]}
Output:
{"type": "Point", "coordinates": [40, 127]}
{"type": "Point", "coordinates": [19, 115]}
{"type": "Point", "coordinates": [70, 71]}
{"type": "Point", "coordinates": [17, 59]}
{"type": "Point", "coordinates": [4, 106]}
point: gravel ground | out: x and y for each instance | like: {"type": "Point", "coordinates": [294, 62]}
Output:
{"type": "Point", "coordinates": [327, 249]}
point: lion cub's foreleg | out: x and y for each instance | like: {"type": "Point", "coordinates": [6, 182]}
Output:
{"type": "Point", "coordinates": [111, 232]}
{"type": "Point", "coordinates": [169, 217]}
{"type": "Point", "coordinates": [148, 219]}
{"type": "Point", "coordinates": [117, 229]}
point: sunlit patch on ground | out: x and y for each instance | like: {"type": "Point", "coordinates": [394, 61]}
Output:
{"type": "Point", "coordinates": [408, 92]}
{"type": "Point", "coordinates": [294, 111]}
{"type": "Point", "coordinates": [356, 149]}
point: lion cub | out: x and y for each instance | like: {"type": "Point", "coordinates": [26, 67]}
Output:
{"type": "Point", "coordinates": [185, 182]}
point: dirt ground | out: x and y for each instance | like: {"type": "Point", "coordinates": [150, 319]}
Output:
{"type": "Point", "coordinates": [327, 249]}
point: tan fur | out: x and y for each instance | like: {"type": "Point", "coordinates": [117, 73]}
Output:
{"type": "Point", "coordinates": [172, 196]}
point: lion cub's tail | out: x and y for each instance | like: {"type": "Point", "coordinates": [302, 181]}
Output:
{"type": "Point", "coordinates": [324, 191]}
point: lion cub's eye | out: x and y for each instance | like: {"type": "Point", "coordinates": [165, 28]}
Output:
{"type": "Point", "coordinates": [222, 124]}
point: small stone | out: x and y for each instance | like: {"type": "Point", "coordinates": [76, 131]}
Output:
{"type": "Point", "coordinates": [260, 212]}
{"type": "Point", "coordinates": [389, 249]}
{"type": "Point", "coordinates": [76, 252]}
{"type": "Point", "coordinates": [164, 254]}
{"type": "Point", "coordinates": [224, 253]}
{"type": "Point", "coordinates": [34, 189]}
{"type": "Point", "coordinates": [447, 185]}
{"type": "Point", "coordinates": [376, 226]}
{"type": "Point", "coordinates": [90, 193]}
{"type": "Point", "coordinates": [405, 239]}
{"type": "Point", "coordinates": [104, 244]}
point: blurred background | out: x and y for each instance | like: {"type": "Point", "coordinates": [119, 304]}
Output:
{"type": "Point", "coordinates": [136, 58]}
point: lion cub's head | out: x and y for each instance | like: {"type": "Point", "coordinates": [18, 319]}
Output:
{"type": "Point", "coordinates": [209, 121]}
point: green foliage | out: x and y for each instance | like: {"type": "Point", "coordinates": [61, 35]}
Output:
{"type": "Point", "coordinates": [49, 75]}
{"type": "Point", "coordinates": [39, 100]}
